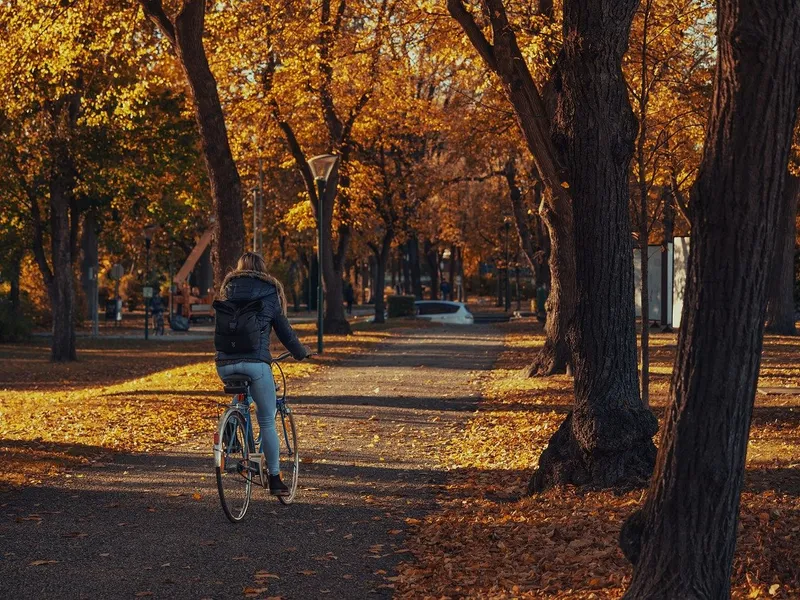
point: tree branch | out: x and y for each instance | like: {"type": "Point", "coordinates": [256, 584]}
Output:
{"type": "Point", "coordinates": [459, 12]}
{"type": "Point", "coordinates": [154, 10]}
{"type": "Point", "coordinates": [680, 200]}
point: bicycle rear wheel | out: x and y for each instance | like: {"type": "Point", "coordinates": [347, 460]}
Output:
{"type": "Point", "coordinates": [289, 458]}
{"type": "Point", "coordinates": [232, 457]}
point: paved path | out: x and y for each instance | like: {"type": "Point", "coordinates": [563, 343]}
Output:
{"type": "Point", "coordinates": [138, 528]}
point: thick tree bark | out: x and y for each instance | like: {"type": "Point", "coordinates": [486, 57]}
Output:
{"type": "Point", "coordinates": [607, 439]}
{"type": "Point", "coordinates": [780, 286]}
{"type": "Point", "coordinates": [60, 284]}
{"type": "Point", "coordinates": [63, 234]}
{"type": "Point", "coordinates": [333, 265]}
{"type": "Point", "coordinates": [185, 32]}
{"type": "Point", "coordinates": [683, 540]}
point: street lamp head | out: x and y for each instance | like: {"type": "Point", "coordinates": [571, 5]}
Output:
{"type": "Point", "coordinates": [322, 166]}
{"type": "Point", "coordinates": [149, 230]}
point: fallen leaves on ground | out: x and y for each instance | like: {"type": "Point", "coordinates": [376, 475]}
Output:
{"type": "Point", "coordinates": [121, 395]}
{"type": "Point", "coordinates": [488, 540]}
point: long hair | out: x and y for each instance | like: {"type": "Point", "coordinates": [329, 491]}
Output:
{"type": "Point", "coordinates": [253, 261]}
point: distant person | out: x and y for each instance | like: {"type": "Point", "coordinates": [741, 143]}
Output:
{"type": "Point", "coordinates": [251, 282]}
{"type": "Point", "coordinates": [445, 290]}
{"type": "Point", "coordinates": [541, 302]}
{"type": "Point", "coordinates": [156, 304]}
{"type": "Point", "coordinates": [349, 296]}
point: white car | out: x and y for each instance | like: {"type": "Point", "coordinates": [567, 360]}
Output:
{"type": "Point", "coordinates": [442, 311]}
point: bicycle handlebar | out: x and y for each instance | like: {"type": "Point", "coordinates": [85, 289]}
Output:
{"type": "Point", "coordinates": [286, 355]}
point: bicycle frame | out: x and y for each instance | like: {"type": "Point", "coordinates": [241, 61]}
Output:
{"type": "Point", "coordinates": [251, 462]}
{"type": "Point", "coordinates": [240, 403]}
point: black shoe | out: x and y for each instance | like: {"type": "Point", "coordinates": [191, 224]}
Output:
{"type": "Point", "coordinates": [277, 487]}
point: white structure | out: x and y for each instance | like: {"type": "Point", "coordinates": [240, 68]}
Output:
{"type": "Point", "coordinates": [677, 262]}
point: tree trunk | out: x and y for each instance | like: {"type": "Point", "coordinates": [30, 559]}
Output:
{"type": "Point", "coordinates": [644, 241]}
{"type": "Point", "coordinates": [333, 264]}
{"type": "Point", "coordinates": [451, 268]}
{"type": "Point", "coordinates": [644, 292]}
{"type": "Point", "coordinates": [520, 217]}
{"type": "Point", "coordinates": [668, 223]}
{"type": "Point", "coordinates": [554, 356]}
{"type": "Point", "coordinates": [461, 274]}
{"type": "Point", "coordinates": [61, 285]}
{"type": "Point", "coordinates": [606, 441]}
{"type": "Point", "coordinates": [683, 540]}
{"type": "Point", "coordinates": [313, 278]}
{"type": "Point", "coordinates": [382, 255]}
{"type": "Point", "coordinates": [89, 260]}
{"type": "Point", "coordinates": [432, 258]}
{"type": "Point", "coordinates": [780, 287]}
{"type": "Point", "coordinates": [413, 256]}
{"type": "Point", "coordinates": [406, 266]}
{"type": "Point", "coordinates": [505, 58]}
{"type": "Point", "coordinates": [14, 270]}
{"type": "Point", "coordinates": [542, 242]}
{"type": "Point", "coordinates": [186, 36]}
{"type": "Point", "coordinates": [380, 273]}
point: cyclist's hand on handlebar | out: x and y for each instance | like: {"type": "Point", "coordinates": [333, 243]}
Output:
{"type": "Point", "coordinates": [309, 352]}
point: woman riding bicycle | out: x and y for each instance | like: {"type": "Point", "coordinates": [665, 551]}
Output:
{"type": "Point", "coordinates": [251, 282]}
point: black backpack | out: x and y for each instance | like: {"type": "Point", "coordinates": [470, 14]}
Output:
{"type": "Point", "coordinates": [237, 330]}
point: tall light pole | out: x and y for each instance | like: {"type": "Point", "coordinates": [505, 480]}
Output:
{"type": "Point", "coordinates": [148, 237]}
{"type": "Point", "coordinates": [507, 225]}
{"type": "Point", "coordinates": [321, 168]}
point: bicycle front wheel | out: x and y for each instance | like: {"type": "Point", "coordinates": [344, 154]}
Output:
{"type": "Point", "coordinates": [289, 458]}
{"type": "Point", "coordinates": [232, 458]}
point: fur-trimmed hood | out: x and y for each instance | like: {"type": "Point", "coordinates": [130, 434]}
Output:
{"type": "Point", "coordinates": [223, 292]}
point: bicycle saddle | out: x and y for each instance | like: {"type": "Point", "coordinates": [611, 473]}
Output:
{"type": "Point", "coordinates": [236, 384]}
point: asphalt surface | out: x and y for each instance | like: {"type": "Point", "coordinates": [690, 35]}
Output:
{"type": "Point", "coordinates": [150, 526]}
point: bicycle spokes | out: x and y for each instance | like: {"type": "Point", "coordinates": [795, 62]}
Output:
{"type": "Point", "coordinates": [234, 472]}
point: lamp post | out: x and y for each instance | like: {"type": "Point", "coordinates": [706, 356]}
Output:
{"type": "Point", "coordinates": [321, 168]}
{"type": "Point", "coordinates": [149, 230]}
{"type": "Point", "coordinates": [507, 225]}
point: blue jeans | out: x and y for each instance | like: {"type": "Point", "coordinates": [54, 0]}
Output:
{"type": "Point", "coordinates": [262, 389]}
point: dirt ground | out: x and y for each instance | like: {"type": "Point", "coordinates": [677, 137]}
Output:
{"type": "Point", "coordinates": [149, 524]}
{"type": "Point", "coordinates": [416, 443]}
{"type": "Point", "coordinates": [489, 541]}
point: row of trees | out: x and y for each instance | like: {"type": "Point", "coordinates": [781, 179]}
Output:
{"type": "Point", "coordinates": [681, 542]}
{"type": "Point", "coordinates": [583, 122]}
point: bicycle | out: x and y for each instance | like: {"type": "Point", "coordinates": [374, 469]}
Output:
{"type": "Point", "coordinates": [237, 464]}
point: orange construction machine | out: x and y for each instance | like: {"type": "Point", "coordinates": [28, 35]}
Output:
{"type": "Point", "coordinates": [194, 301]}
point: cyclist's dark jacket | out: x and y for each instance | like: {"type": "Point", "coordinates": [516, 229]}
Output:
{"type": "Point", "coordinates": [253, 285]}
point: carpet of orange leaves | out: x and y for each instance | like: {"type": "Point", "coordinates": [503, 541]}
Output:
{"type": "Point", "coordinates": [121, 395]}
{"type": "Point", "coordinates": [488, 540]}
